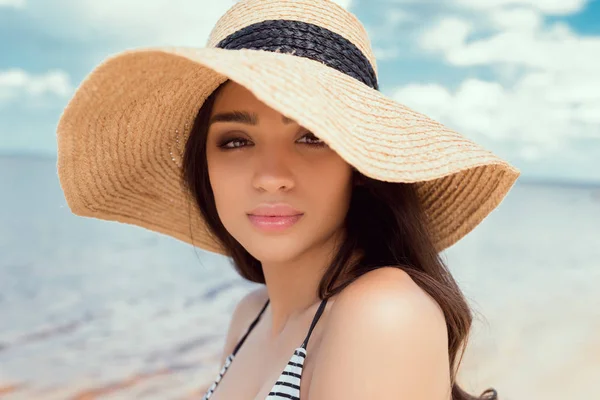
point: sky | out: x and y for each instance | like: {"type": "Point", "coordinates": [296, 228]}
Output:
{"type": "Point", "coordinates": [522, 78]}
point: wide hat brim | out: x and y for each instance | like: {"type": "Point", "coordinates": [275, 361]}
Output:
{"type": "Point", "coordinates": [122, 135]}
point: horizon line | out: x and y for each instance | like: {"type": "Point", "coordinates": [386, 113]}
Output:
{"type": "Point", "coordinates": [522, 180]}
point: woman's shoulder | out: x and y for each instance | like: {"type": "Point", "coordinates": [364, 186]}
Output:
{"type": "Point", "coordinates": [248, 308]}
{"type": "Point", "coordinates": [384, 295]}
{"type": "Point", "coordinates": [386, 326]}
{"type": "Point", "coordinates": [243, 314]}
{"type": "Point", "coordinates": [387, 288]}
{"type": "Point", "coordinates": [257, 296]}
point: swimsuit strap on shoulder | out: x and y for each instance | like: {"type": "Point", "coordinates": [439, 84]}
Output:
{"type": "Point", "coordinates": [314, 322]}
{"type": "Point", "coordinates": [243, 339]}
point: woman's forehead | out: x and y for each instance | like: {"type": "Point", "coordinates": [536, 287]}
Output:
{"type": "Point", "coordinates": [237, 104]}
{"type": "Point", "coordinates": [234, 95]}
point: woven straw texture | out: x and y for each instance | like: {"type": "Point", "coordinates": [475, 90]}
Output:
{"type": "Point", "coordinates": [122, 135]}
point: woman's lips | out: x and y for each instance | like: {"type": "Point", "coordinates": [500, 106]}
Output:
{"type": "Point", "coordinates": [274, 223]}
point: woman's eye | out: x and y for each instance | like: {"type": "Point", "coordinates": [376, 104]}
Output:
{"type": "Point", "coordinates": [233, 143]}
{"type": "Point", "coordinates": [236, 143]}
{"type": "Point", "coordinates": [311, 139]}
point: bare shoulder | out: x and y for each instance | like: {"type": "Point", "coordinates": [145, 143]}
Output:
{"type": "Point", "coordinates": [387, 289]}
{"type": "Point", "coordinates": [252, 301]}
{"type": "Point", "coordinates": [392, 337]}
{"type": "Point", "coordinates": [243, 314]}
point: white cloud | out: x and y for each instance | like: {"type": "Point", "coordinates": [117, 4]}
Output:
{"type": "Point", "coordinates": [131, 23]}
{"type": "Point", "coordinates": [12, 3]}
{"type": "Point", "coordinates": [344, 3]}
{"type": "Point", "coordinates": [550, 7]}
{"type": "Point", "coordinates": [396, 16]}
{"type": "Point", "coordinates": [138, 22]}
{"type": "Point", "coordinates": [517, 19]}
{"type": "Point", "coordinates": [17, 83]}
{"type": "Point", "coordinates": [544, 92]}
{"type": "Point", "coordinates": [489, 112]}
{"type": "Point", "coordinates": [554, 48]}
{"type": "Point", "coordinates": [386, 53]}
{"type": "Point", "coordinates": [449, 35]}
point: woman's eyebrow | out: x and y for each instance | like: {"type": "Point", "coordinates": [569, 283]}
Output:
{"type": "Point", "coordinates": [242, 117]}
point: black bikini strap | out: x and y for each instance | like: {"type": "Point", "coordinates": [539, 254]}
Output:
{"type": "Point", "coordinates": [243, 339]}
{"type": "Point", "coordinates": [314, 322]}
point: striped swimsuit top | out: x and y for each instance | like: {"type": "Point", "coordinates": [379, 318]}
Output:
{"type": "Point", "coordinates": [288, 385]}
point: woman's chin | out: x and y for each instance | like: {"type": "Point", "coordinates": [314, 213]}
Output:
{"type": "Point", "coordinates": [269, 252]}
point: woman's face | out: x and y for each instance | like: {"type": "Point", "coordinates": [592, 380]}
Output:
{"type": "Point", "coordinates": [279, 190]}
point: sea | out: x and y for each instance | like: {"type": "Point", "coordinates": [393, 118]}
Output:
{"type": "Point", "coordinates": [96, 309]}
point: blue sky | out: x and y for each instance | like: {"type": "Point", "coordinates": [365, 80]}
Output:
{"type": "Point", "coordinates": [520, 77]}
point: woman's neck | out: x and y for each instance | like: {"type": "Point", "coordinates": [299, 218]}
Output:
{"type": "Point", "coordinates": [293, 286]}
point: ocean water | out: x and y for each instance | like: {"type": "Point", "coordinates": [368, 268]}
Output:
{"type": "Point", "coordinates": [95, 309]}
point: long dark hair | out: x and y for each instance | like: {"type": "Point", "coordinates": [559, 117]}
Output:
{"type": "Point", "coordinates": [384, 221]}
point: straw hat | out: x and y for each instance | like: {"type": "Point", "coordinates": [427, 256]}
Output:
{"type": "Point", "coordinates": [122, 135]}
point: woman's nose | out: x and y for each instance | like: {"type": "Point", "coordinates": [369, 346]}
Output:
{"type": "Point", "coordinates": [273, 171]}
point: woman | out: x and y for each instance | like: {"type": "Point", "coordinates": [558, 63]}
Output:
{"type": "Point", "coordinates": [273, 145]}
